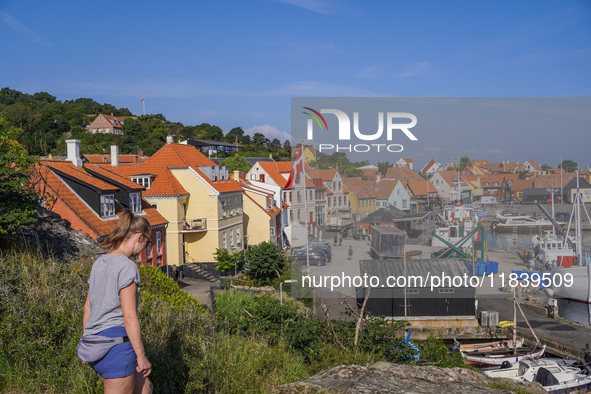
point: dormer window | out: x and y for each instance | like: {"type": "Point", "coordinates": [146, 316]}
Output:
{"type": "Point", "coordinates": [145, 181]}
{"type": "Point", "coordinates": [135, 202]}
{"type": "Point", "coordinates": [107, 206]}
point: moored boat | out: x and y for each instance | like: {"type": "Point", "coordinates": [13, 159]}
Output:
{"type": "Point", "coordinates": [454, 223]}
{"type": "Point", "coordinates": [555, 375]}
{"type": "Point", "coordinates": [496, 358]}
{"type": "Point", "coordinates": [520, 223]}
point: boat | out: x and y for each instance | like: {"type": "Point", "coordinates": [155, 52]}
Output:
{"type": "Point", "coordinates": [454, 223]}
{"type": "Point", "coordinates": [520, 223]}
{"type": "Point", "coordinates": [498, 357]}
{"type": "Point", "coordinates": [554, 374]}
{"type": "Point", "coordinates": [485, 346]}
{"type": "Point", "coordinates": [571, 279]}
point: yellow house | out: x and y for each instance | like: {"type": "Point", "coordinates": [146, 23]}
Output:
{"type": "Point", "coordinates": [202, 205]}
{"type": "Point", "coordinates": [309, 153]}
{"type": "Point", "coordinates": [262, 218]}
{"type": "Point", "coordinates": [362, 196]}
{"type": "Point", "coordinates": [473, 184]}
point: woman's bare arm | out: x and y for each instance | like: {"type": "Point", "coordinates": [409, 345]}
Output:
{"type": "Point", "coordinates": [132, 326]}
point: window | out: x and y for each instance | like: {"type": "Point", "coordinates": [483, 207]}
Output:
{"type": "Point", "coordinates": [159, 242]}
{"type": "Point", "coordinates": [284, 196]}
{"type": "Point", "coordinates": [224, 240]}
{"type": "Point", "coordinates": [262, 177]}
{"type": "Point", "coordinates": [446, 290]}
{"type": "Point", "coordinates": [159, 261]}
{"type": "Point", "coordinates": [230, 208]}
{"type": "Point", "coordinates": [154, 205]}
{"type": "Point", "coordinates": [135, 202]}
{"type": "Point", "coordinates": [223, 208]}
{"type": "Point", "coordinates": [238, 238]}
{"type": "Point", "coordinates": [149, 251]}
{"type": "Point", "coordinates": [237, 206]}
{"type": "Point", "coordinates": [107, 205]}
{"type": "Point", "coordinates": [298, 214]}
{"type": "Point", "coordinates": [142, 180]}
{"type": "Point", "coordinates": [231, 238]}
{"type": "Point", "coordinates": [272, 231]}
{"type": "Point", "coordinates": [496, 184]}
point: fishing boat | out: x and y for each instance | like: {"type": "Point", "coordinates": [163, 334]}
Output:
{"type": "Point", "coordinates": [454, 223]}
{"type": "Point", "coordinates": [571, 280]}
{"type": "Point", "coordinates": [520, 223]}
{"type": "Point", "coordinates": [554, 374]}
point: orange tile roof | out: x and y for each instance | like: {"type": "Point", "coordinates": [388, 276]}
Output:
{"type": "Point", "coordinates": [61, 191]}
{"type": "Point", "coordinates": [105, 171]}
{"type": "Point", "coordinates": [175, 156]}
{"type": "Point", "coordinates": [383, 189]}
{"type": "Point", "coordinates": [419, 188]}
{"type": "Point", "coordinates": [403, 174]}
{"type": "Point", "coordinates": [492, 178]}
{"type": "Point", "coordinates": [553, 180]}
{"type": "Point", "coordinates": [123, 159]}
{"type": "Point", "coordinates": [69, 169]}
{"type": "Point", "coordinates": [284, 166]}
{"type": "Point", "coordinates": [271, 212]}
{"type": "Point", "coordinates": [272, 168]}
{"type": "Point", "coordinates": [521, 184]}
{"type": "Point", "coordinates": [359, 187]}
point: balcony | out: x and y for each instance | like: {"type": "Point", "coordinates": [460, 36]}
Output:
{"type": "Point", "coordinates": [195, 224]}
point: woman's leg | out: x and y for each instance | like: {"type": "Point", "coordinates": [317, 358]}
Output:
{"type": "Point", "coordinates": [119, 385]}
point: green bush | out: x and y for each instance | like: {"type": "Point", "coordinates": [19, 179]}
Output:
{"type": "Point", "coordinates": [266, 262]}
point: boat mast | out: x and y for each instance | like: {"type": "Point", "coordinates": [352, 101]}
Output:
{"type": "Point", "coordinates": [578, 217]}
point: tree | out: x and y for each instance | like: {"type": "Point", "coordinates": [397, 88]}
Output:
{"type": "Point", "coordinates": [464, 162]}
{"type": "Point", "coordinates": [235, 134]}
{"type": "Point", "coordinates": [236, 163]}
{"type": "Point", "coordinates": [287, 147]}
{"type": "Point", "coordinates": [383, 167]}
{"type": "Point", "coordinates": [275, 145]}
{"type": "Point", "coordinates": [266, 262]}
{"type": "Point", "coordinates": [260, 139]}
{"type": "Point", "coordinates": [18, 198]}
{"type": "Point", "coordinates": [568, 166]}
{"type": "Point", "coordinates": [226, 261]}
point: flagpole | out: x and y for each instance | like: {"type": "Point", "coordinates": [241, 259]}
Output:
{"type": "Point", "coordinates": [143, 105]}
{"type": "Point", "coordinates": [305, 209]}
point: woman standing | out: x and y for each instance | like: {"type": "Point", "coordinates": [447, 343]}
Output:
{"type": "Point", "coordinates": [111, 307]}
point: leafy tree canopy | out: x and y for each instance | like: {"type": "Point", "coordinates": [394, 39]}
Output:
{"type": "Point", "coordinates": [568, 166]}
{"type": "Point", "coordinates": [266, 262]}
{"type": "Point", "coordinates": [236, 162]}
{"type": "Point", "coordinates": [18, 198]}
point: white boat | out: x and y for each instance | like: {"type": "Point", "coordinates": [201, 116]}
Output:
{"type": "Point", "coordinates": [499, 357]}
{"type": "Point", "coordinates": [572, 279]}
{"type": "Point", "coordinates": [516, 222]}
{"type": "Point", "coordinates": [454, 223]}
{"type": "Point", "coordinates": [555, 375]}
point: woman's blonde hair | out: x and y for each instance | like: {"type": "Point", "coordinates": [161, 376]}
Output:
{"type": "Point", "coordinates": [127, 225]}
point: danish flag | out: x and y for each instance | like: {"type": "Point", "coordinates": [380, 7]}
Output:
{"type": "Point", "coordinates": [298, 166]}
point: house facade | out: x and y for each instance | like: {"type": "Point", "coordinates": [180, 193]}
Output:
{"type": "Point", "coordinates": [106, 124]}
{"type": "Point", "coordinates": [203, 206]}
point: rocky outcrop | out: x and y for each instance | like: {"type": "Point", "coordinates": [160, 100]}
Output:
{"type": "Point", "coordinates": [385, 377]}
{"type": "Point", "coordinates": [54, 237]}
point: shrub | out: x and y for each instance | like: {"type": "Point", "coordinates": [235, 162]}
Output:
{"type": "Point", "coordinates": [266, 262]}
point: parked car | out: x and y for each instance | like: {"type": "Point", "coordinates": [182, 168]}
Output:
{"type": "Point", "coordinates": [315, 259]}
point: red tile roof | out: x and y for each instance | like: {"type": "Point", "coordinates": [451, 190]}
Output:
{"type": "Point", "coordinates": [419, 188]}
{"type": "Point", "coordinates": [123, 159]}
{"type": "Point", "coordinates": [403, 174]}
{"type": "Point", "coordinates": [383, 189]}
{"type": "Point", "coordinates": [362, 189]}
{"type": "Point", "coordinates": [273, 169]}
{"type": "Point", "coordinates": [86, 215]}
{"type": "Point", "coordinates": [172, 156]}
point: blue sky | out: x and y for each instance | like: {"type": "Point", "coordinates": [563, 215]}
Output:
{"type": "Point", "coordinates": [238, 63]}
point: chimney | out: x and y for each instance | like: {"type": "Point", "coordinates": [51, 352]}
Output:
{"type": "Point", "coordinates": [140, 152]}
{"type": "Point", "coordinates": [455, 162]}
{"type": "Point", "coordinates": [114, 155]}
{"type": "Point", "coordinates": [270, 155]}
{"type": "Point", "coordinates": [135, 160]}
{"type": "Point", "coordinates": [169, 139]}
{"type": "Point", "coordinates": [112, 114]}
{"type": "Point", "coordinates": [236, 175]}
{"type": "Point", "coordinates": [74, 152]}
{"type": "Point", "coordinates": [378, 178]}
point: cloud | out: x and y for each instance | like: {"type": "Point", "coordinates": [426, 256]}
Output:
{"type": "Point", "coordinates": [22, 29]}
{"type": "Point", "coordinates": [269, 131]}
{"type": "Point", "coordinates": [321, 7]}
{"type": "Point", "coordinates": [373, 71]}
{"type": "Point", "coordinates": [415, 70]}
{"type": "Point", "coordinates": [495, 151]}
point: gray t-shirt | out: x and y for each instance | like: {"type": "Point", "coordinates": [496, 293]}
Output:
{"type": "Point", "coordinates": [109, 274]}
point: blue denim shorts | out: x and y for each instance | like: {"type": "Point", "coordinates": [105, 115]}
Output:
{"type": "Point", "coordinates": [120, 361]}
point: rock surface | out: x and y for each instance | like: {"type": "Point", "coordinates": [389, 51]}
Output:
{"type": "Point", "coordinates": [54, 237]}
{"type": "Point", "coordinates": [385, 377]}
